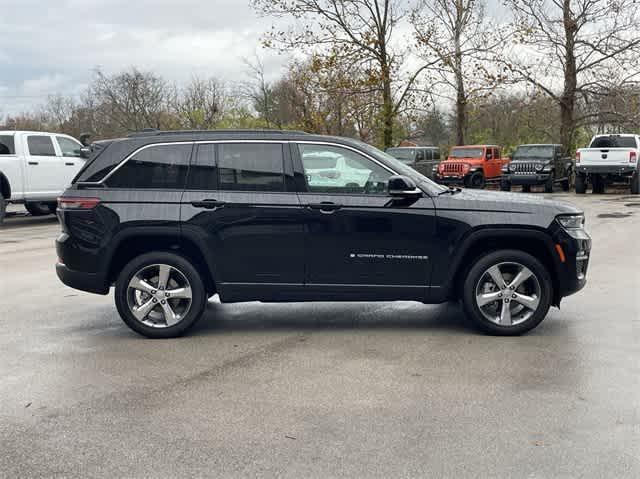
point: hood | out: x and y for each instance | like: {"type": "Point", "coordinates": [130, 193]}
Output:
{"type": "Point", "coordinates": [532, 206]}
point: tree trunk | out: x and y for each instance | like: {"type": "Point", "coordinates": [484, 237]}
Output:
{"type": "Point", "coordinates": [461, 110]}
{"type": "Point", "coordinates": [387, 108]}
{"type": "Point", "coordinates": [568, 98]}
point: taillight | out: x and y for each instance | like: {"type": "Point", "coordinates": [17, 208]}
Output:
{"type": "Point", "coordinates": [577, 157]}
{"type": "Point", "coordinates": [633, 157]}
{"type": "Point", "coordinates": [70, 203]}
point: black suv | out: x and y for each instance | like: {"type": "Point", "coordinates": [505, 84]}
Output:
{"type": "Point", "coordinates": [423, 159]}
{"type": "Point", "coordinates": [172, 218]}
{"type": "Point", "coordinates": [533, 165]}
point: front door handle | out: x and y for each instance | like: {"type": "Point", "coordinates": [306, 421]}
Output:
{"type": "Point", "coordinates": [70, 163]}
{"type": "Point", "coordinates": [326, 207]}
{"type": "Point", "coordinates": [33, 163]}
{"type": "Point", "coordinates": [209, 204]}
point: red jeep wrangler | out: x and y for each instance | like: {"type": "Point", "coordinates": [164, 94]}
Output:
{"type": "Point", "coordinates": [470, 166]}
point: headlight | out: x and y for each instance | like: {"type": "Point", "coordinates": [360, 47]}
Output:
{"type": "Point", "coordinates": [547, 168]}
{"type": "Point", "coordinates": [539, 167]}
{"type": "Point", "coordinates": [505, 168]}
{"type": "Point", "coordinates": [571, 222]}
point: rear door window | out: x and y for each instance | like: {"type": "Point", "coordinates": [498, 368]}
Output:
{"type": "Point", "coordinates": [40, 145]}
{"type": "Point", "coordinates": [7, 145]}
{"type": "Point", "coordinates": [203, 173]}
{"type": "Point", "coordinates": [154, 167]}
{"type": "Point", "coordinates": [251, 167]}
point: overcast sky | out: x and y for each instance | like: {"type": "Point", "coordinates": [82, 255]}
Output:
{"type": "Point", "coordinates": [50, 47]}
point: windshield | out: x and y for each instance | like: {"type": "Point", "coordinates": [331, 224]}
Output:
{"type": "Point", "coordinates": [466, 153]}
{"type": "Point", "coordinates": [533, 151]}
{"type": "Point", "coordinates": [400, 167]}
{"type": "Point", "coordinates": [403, 154]}
{"type": "Point", "coordinates": [614, 141]}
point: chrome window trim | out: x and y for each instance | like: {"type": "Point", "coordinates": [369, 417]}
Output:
{"type": "Point", "coordinates": [204, 142]}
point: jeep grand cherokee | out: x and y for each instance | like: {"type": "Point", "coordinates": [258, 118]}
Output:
{"type": "Point", "coordinates": [172, 218]}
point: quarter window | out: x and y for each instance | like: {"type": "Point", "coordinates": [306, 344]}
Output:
{"type": "Point", "coordinates": [251, 167]}
{"type": "Point", "coordinates": [69, 147]}
{"type": "Point", "coordinates": [330, 169]}
{"type": "Point", "coordinates": [41, 146]}
{"type": "Point", "coordinates": [155, 167]}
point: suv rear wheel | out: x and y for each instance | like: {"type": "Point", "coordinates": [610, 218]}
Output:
{"type": "Point", "coordinates": [160, 295]}
{"type": "Point", "coordinates": [507, 292]}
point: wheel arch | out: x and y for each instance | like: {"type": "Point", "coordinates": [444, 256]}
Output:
{"type": "Point", "coordinates": [146, 240]}
{"type": "Point", "coordinates": [480, 242]}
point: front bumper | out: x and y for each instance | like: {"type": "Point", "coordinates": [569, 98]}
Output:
{"type": "Point", "coordinates": [527, 180]}
{"type": "Point", "coordinates": [576, 247]}
{"type": "Point", "coordinates": [449, 180]}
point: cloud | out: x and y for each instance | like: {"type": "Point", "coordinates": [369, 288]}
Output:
{"type": "Point", "coordinates": [56, 50]}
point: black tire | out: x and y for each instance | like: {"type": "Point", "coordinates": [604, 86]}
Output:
{"type": "Point", "coordinates": [505, 185]}
{"type": "Point", "coordinates": [526, 188]}
{"type": "Point", "coordinates": [635, 184]}
{"type": "Point", "coordinates": [566, 185]}
{"type": "Point", "coordinates": [184, 267]}
{"type": "Point", "coordinates": [476, 180]}
{"type": "Point", "coordinates": [598, 186]}
{"type": "Point", "coordinates": [3, 208]}
{"type": "Point", "coordinates": [548, 185]}
{"type": "Point", "coordinates": [477, 272]}
{"type": "Point", "coordinates": [38, 209]}
{"type": "Point", "coordinates": [581, 184]}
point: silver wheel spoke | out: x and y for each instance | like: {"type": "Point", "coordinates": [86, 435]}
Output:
{"type": "Point", "coordinates": [505, 314]}
{"type": "Point", "coordinates": [141, 284]}
{"type": "Point", "coordinates": [486, 298]}
{"type": "Point", "coordinates": [141, 312]}
{"type": "Point", "coordinates": [163, 275]}
{"type": "Point", "coordinates": [496, 276]}
{"type": "Point", "coordinates": [169, 316]}
{"type": "Point", "coordinates": [523, 275]}
{"type": "Point", "coordinates": [182, 293]}
{"type": "Point", "coordinates": [530, 302]}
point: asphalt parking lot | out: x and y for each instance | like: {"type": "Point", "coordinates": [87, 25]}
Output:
{"type": "Point", "coordinates": [321, 390]}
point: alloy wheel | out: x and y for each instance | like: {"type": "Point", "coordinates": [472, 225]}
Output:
{"type": "Point", "coordinates": [159, 295]}
{"type": "Point", "coordinates": [508, 294]}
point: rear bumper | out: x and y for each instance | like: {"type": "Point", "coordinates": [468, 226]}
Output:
{"type": "Point", "coordinates": [527, 180]}
{"type": "Point", "coordinates": [90, 282]}
{"type": "Point", "coordinates": [614, 170]}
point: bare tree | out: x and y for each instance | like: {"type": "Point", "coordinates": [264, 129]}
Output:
{"type": "Point", "coordinates": [201, 104]}
{"type": "Point", "coordinates": [132, 100]}
{"type": "Point", "coordinates": [456, 39]}
{"type": "Point", "coordinates": [354, 32]}
{"type": "Point", "coordinates": [260, 92]}
{"type": "Point", "coordinates": [573, 50]}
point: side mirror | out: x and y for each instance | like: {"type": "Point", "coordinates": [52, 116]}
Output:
{"type": "Point", "coordinates": [401, 186]}
{"type": "Point", "coordinates": [85, 152]}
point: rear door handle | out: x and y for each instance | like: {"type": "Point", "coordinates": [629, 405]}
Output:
{"type": "Point", "coordinates": [70, 164]}
{"type": "Point", "coordinates": [209, 204]}
{"type": "Point", "coordinates": [325, 207]}
{"type": "Point", "coordinates": [33, 163]}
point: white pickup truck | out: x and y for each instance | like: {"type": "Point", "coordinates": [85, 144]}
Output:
{"type": "Point", "coordinates": [609, 159]}
{"type": "Point", "coordinates": [35, 167]}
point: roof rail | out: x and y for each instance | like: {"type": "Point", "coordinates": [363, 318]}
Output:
{"type": "Point", "coordinates": [155, 132]}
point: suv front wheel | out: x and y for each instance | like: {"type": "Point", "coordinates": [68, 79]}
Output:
{"type": "Point", "coordinates": [160, 295]}
{"type": "Point", "coordinates": [507, 293]}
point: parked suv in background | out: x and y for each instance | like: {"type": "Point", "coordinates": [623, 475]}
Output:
{"type": "Point", "coordinates": [172, 218]}
{"type": "Point", "coordinates": [35, 167]}
{"type": "Point", "coordinates": [421, 158]}
{"type": "Point", "coordinates": [533, 165]}
{"type": "Point", "coordinates": [471, 166]}
{"type": "Point", "coordinates": [609, 159]}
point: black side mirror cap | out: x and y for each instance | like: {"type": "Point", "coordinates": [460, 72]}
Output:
{"type": "Point", "coordinates": [403, 187]}
{"type": "Point", "coordinates": [85, 152]}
